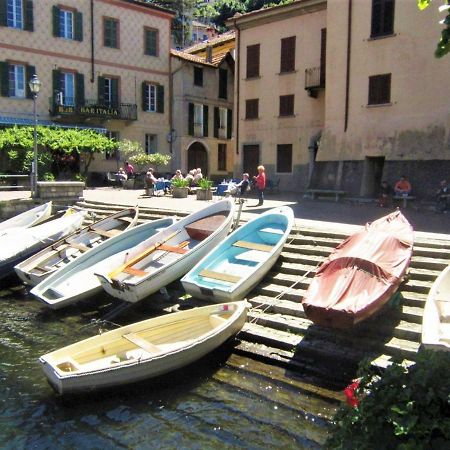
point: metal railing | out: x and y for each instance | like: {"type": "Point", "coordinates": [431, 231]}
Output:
{"type": "Point", "coordinates": [315, 78]}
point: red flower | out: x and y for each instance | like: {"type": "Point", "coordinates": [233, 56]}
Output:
{"type": "Point", "coordinates": [350, 396]}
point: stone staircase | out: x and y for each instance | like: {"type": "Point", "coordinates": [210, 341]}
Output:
{"type": "Point", "coordinates": [278, 332]}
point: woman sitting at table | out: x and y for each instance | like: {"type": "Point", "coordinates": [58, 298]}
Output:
{"type": "Point", "coordinates": [150, 182]}
{"type": "Point", "coordinates": [178, 175]}
{"type": "Point", "coordinates": [197, 176]}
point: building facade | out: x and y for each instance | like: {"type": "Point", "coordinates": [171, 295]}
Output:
{"type": "Point", "coordinates": [342, 94]}
{"type": "Point", "coordinates": [203, 91]}
{"type": "Point", "coordinates": [102, 64]}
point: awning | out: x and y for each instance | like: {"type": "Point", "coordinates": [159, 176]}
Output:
{"type": "Point", "coordinates": [45, 123]}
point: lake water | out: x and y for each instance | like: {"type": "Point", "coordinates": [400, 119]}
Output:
{"type": "Point", "coordinates": [224, 401]}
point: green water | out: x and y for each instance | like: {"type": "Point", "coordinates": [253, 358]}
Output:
{"type": "Point", "coordinates": [224, 401]}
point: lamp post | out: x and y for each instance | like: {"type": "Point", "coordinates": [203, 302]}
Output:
{"type": "Point", "coordinates": [35, 87]}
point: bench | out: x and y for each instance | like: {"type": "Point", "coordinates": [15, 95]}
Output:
{"type": "Point", "coordinates": [14, 182]}
{"type": "Point", "coordinates": [12, 188]}
{"type": "Point", "coordinates": [405, 199]}
{"type": "Point", "coordinates": [336, 193]}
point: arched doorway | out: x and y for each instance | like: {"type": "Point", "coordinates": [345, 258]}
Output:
{"type": "Point", "coordinates": [197, 156]}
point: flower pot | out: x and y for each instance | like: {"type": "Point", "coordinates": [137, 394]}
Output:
{"type": "Point", "coordinates": [204, 194]}
{"type": "Point", "coordinates": [179, 192]}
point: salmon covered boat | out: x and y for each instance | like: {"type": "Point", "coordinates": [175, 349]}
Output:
{"type": "Point", "coordinates": [144, 349]}
{"type": "Point", "coordinates": [361, 274]}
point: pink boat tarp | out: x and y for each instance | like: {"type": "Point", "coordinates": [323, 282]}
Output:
{"type": "Point", "coordinates": [361, 274]}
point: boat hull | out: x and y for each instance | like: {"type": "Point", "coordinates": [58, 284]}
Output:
{"type": "Point", "coordinates": [28, 218]}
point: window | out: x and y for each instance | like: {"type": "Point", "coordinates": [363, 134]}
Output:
{"type": "Point", "coordinates": [67, 89]}
{"type": "Point", "coordinates": [198, 120]}
{"type": "Point", "coordinates": [287, 61]}
{"type": "Point", "coordinates": [114, 154]}
{"type": "Point", "coordinates": [382, 18]}
{"type": "Point", "coordinates": [284, 158]}
{"type": "Point", "coordinates": [150, 42]}
{"type": "Point", "coordinates": [223, 83]}
{"type": "Point", "coordinates": [198, 76]}
{"type": "Point", "coordinates": [253, 61]}
{"type": "Point", "coordinates": [252, 108]}
{"type": "Point", "coordinates": [17, 82]}
{"type": "Point", "coordinates": [194, 37]}
{"type": "Point", "coordinates": [286, 105]}
{"type": "Point", "coordinates": [152, 97]}
{"type": "Point", "coordinates": [151, 144]}
{"type": "Point", "coordinates": [223, 118]}
{"type": "Point", "coordinates": [108, 91]}
{"type": "Point", "coordinates": [110, 32]}
{"type": "Point", "coordinates": [67, 23]}
{"type": "Point", "coordinates": [380, 89]}
{"type": "Point", "coordinates": [17, 14]}
{"type": "Point", "coordinates": [14, 14]}
{"type": "Point", "coordinates": [222, 157]}
{"type": "Point", "coordinates": [198, 115]}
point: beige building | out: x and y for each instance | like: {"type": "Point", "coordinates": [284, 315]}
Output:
{"type": "Point", "coordinates": [341, 94]}
{"type": "Point", "coordinates": [203, 83]}
{"type": "Point", "coordinates": [102, 64]}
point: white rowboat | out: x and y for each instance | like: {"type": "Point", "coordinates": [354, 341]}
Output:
{"type": "Point", "coordinates": [142, 350]}
{"type": "Point", "coordinates": [168, 255]}
{"type": "Point", "coordinates": [436, 314]}
{"type": "Point", "coordinates": [231, 270]}
{"type": "Point", "coordinates": [39, 266]}
{"type": "Point", "coordinates": [28, 218]}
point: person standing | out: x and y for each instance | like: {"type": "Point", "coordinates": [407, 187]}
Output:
{"type": "Point", "coordinates": [260, 184]}
{"type": "Point", "coordinates": [150, 182]}
{"type": "Point", "coordinates": [129, 169]}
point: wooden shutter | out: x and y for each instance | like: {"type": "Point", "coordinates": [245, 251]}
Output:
{"type": "Point", "coordinates": [78, 18]}
{"type": "Point", "coordinates": [56, 29]}
{"type": "Point", "coordinates": [229, 123]}
{"type": "Point", "coordinates": [160, 98]}
{"type": "Point", "coordinates": [216, 122]}
{"type": "Point", "coordinates": [253, 61]}
{"type": "Point", "coordinates": [3, 13]}
{"type": "Point", "coordinates": [114, 92]}
{"type": "Point", "coordinates": [205, 120]}
{"type": "Point", "coordinates": [79, 89]}
{"type": "Point", "coordinates": [29, 72]}
{"type": "Point", "coordinates": [101, 90]}
{"type": "Point", "coordinates": [4, 79]}
{"type": "Point", "coordinates": [56, 78]}
{"type": "Point", "coordinates": [28, 13]}
{"type": "Point", "coordinates": [287, 60]}
{"type": "Point", "coordinates": [145, 104]}
{"type": "Point", "coordinates": [191, 119]}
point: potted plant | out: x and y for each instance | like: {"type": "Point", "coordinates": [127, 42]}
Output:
{"type": "Point", "coordinates": [204, 191]}
{"type": "Point", "coordinates": [180, 188]}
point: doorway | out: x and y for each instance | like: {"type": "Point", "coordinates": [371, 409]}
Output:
{"type": "Point", "coordinates": [250, 159]}
{"type": "Point", "coordinates": [197, 157]}
{"type": "Point", "coordinates": [372, 176]}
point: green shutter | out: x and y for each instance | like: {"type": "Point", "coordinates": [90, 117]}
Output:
{"type": "Point", "coordinates": [144, 96]}
{"type": "Point", "coordinates": [114, 92]}
{"type": "Point", "coordinates": [29, 72]}
{"type": "Point", "coordinates": [4, 79]}
{"type": "Point", "coordinates": [3, 16]}
{"type": "Point", "coordinates": [79, 89]}
{"type": "Point", "coordinates": [216, 122]}
{"type": "Point", "coordinates": [191, 119]}
{"type": "Point", "coordinates": [229, 123]}
{"type": "Point", "coordinates": [78, 17]}
{"type": "Point", "coordinates": [29, 26]}
{"type": "Point", "coordinates": [160, 99]}
{"type": "Point", "coordinates": [101, 90]}
{"type": "Point", "coordinates": [56, 77]}
{"type": "Point", "coordinates": [56, 30]}
{"type": "Point", "coordinates": [205, 120]}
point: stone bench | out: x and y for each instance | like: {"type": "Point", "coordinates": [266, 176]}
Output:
{"type": "Point", "coordinates": [404, 199]}
{"type": "Point", "coordinates": [13, 182]}
{"type": "Point", "coordinates": [337, 193]}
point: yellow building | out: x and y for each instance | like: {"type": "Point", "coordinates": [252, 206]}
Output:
{"type": "Point", "coordinates": [102, 64]}
{"type": "Point", "coordinates": [341, 94]}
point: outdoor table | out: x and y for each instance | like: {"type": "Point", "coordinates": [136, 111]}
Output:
{"type": "Point", "coordinates": [221, 188]}
{"type": "Point", "coordinates": [162, 185]}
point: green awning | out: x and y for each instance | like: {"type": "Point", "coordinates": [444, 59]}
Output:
{"type": "Point", "coordinates": [45, 123]}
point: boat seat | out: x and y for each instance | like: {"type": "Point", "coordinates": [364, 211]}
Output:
{"type": "Point", "coordinates": [125, 219]}
{"type": "Point", "coordinates": [141, 343]}
{"type": "Point", "coordinates": [444, 310]}
{"type": "Point", "coordinates": [105, 233]}
{"type": "Point", "coordinates": [219, 276]}
{"type": "Point", "coordinates": [253, 246]}
{"type": "Point", "coordinates": [271, 230]}
{"type": "Point", "coordinates": [68, 365]}
{"type": "Point", "coordinates": [81, 247]}
{"type": "Point", "coordinates": [215, 320]}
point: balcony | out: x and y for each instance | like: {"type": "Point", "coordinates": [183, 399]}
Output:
{"type": "Point", "coordinates": [64, 108]}
{"type": "Point", "coordinates": [314, 80]}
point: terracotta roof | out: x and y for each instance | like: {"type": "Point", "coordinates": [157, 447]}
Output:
{"type": "Point", "coordinates": [151, 6]}
{"type": "Point", "coordinates": [191, 58]}
{"type": "Point", "coordinates": [214, 42]}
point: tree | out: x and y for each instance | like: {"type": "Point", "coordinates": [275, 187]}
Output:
{"type": "Point", "coordinates": [443, 46]}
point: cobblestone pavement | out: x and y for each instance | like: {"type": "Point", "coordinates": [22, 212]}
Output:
{"type": "Point", "coordinates": [314, 213]}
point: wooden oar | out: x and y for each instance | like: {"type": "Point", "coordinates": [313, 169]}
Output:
{"type": "Point", "coordinates": [142, 255]}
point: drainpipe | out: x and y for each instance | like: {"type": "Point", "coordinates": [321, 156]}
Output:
{"type": "Point", "coordinates": [237, 82]}
{"type": "Point", "coordinates": [92, 43]}
{"type": "Point", "coordinates": [347, 80]}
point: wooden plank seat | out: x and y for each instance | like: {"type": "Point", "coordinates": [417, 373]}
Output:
{"type": "Point", "coordinates": [337, 193]}
{"type": "Point", "coordinates": [105, 233]}
{"type": "Point", "coordinates": [271, 230]}
{"type": "Point", "coordinates": [141, 343]}
{"type": "Point", "coordinates": [219, 276]}
{"type": "Point", "coordinates": [253, 246]}
{"type": "Point", "coordinates": [125, 219]}
{"type": "Point", "coordinates": [81, 247]}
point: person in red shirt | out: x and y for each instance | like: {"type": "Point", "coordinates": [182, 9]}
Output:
{"type": "Point", "coordinates": [260, 184]}
{"type": "Point", "coordinates": [129, 169]}
{"type": "Point", "coordinates": [402, 187]}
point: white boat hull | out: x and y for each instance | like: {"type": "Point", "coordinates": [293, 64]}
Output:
{"type": "Point", "coordinates": [28, 218]}
{"type": "Point", "coordinates": [142, 350]}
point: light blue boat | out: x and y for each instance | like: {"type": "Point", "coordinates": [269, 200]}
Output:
{"type": "Point", "coordinates": [233, 268]}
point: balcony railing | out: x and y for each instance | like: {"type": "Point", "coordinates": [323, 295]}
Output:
{"type": "Point", "coordinates": [68, 107]}
{"type": "Point", "coordinates": [314, 79]}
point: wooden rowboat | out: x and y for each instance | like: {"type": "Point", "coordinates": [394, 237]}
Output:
{"type": "Point", "coordinates": [436, 314]}
{"type": "Point", "coordinates": [237, 265]}
{"type": "Point", "coordinates": [168, 255]}
{"type": "Point", "coordinates": [142, 350]}
{"type": "Point", "coordinates": [39, 266]}
{"type": "Point", "coordinates": [28, 218]}
{"type": "Point", "coordinates": [361, 274]}
{"type": "Point", "coordinates": [18, 244]}
{"type": "Point", "coordinates": [77, 280]}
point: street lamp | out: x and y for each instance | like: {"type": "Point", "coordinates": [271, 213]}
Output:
{"type": "Point", "coordinates": [35, 87]}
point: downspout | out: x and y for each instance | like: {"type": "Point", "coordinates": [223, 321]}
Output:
{"type": "Point", "coordinates": [237, 82]}
{"type": "Point", "coordinates": [170, 99]}
{"type": "Point", "coordinates": [92, 43]}
{"type": "Point", "coordinates": [347, 80]}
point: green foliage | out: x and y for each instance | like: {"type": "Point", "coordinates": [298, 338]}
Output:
{"type": "Point", "coordinates": [133, 152]}
{"type": "Point", "coordinates": [443, 46]}
{"type": "Point", "coordinates": [48, 176]}
{"type": "Point", "coordinates": [402, 407]}
{"type": "Point", "coordinates": [205, 183]}
{"type": "Point", "coordinates": [180, 182]}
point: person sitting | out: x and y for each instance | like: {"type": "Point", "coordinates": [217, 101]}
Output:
{"type": "Point", "coordinates": [238, 190]}
{"type": "Point", "coordinates": [129, 169]}
{"type": "Point", "coordinates": [197, 176]}
{"type": "Point", "coordinates": [403, 187]}
{"type": "Point", "coordinates": [443, 197]}
{"type": "Point", "coordinates": [190, 176]}
{"type": "Point", "coordinates": [150, 182]}
{"type": "Point", "coordinates": [121, 177]}
{"type": "Point", "coordinates": [178, 175]}
{"type": "Point", "coordinates": [385, 194]}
